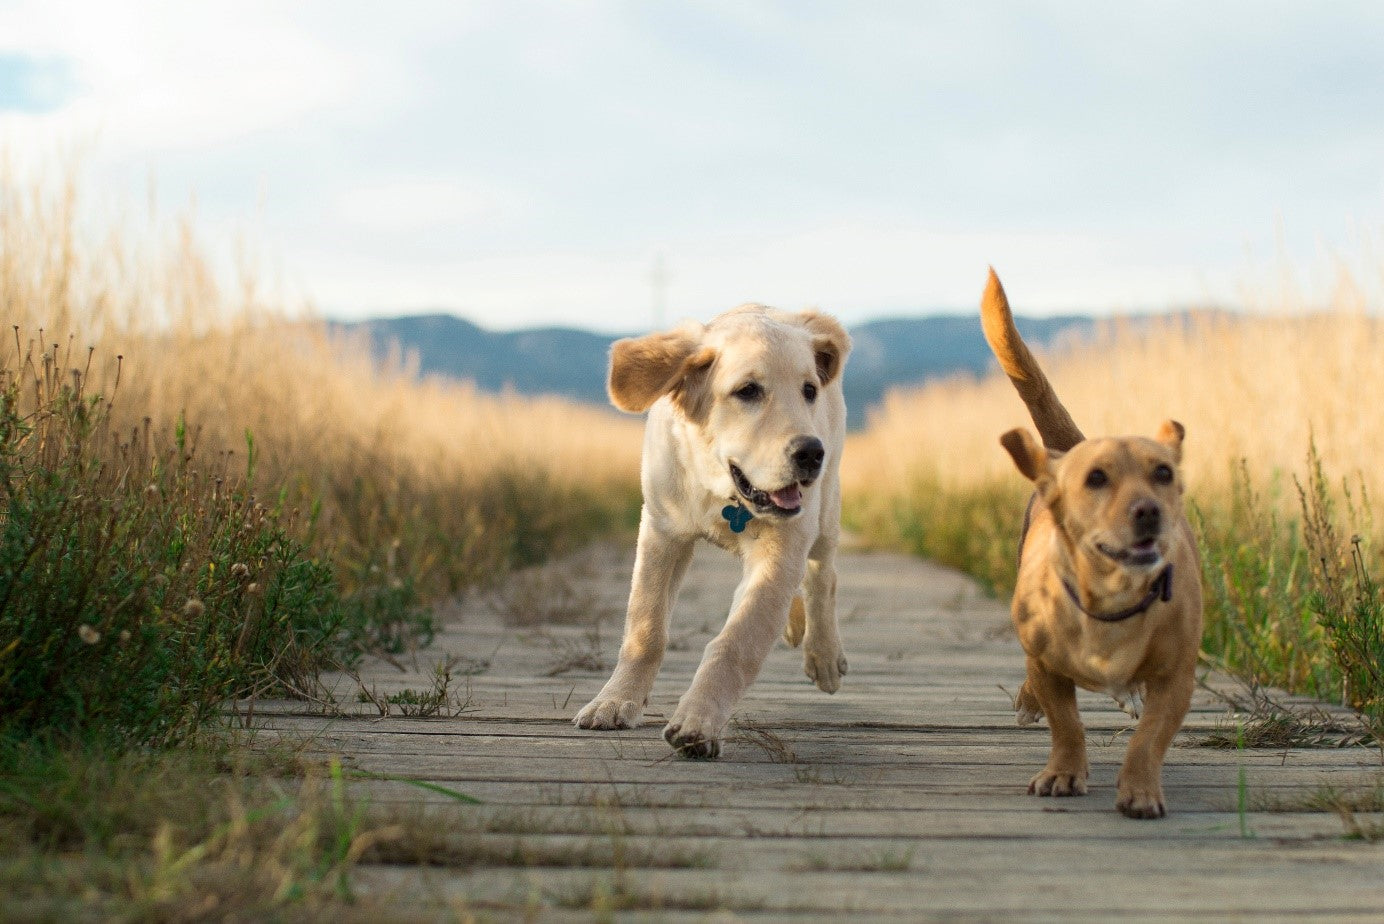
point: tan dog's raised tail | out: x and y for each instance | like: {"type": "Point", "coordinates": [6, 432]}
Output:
{"type": "Point", "coordinates": [1108, 595]}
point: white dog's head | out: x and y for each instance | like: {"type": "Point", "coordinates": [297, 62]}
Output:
{"type": "Point", "coordinates": [751, 382]}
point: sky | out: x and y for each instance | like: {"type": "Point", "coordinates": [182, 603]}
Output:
{"type": "Point", "coordinates": [618, 165]}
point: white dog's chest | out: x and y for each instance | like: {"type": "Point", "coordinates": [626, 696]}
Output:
{"type": "Point", "coordinates": [717, 521]}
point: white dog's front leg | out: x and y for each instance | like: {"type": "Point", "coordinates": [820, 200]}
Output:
{"type": "Point", "coordinates": [659, 565]}
{"type": "Point", "coordinates": [824, 662]}
{"type": "Point", "coordinates": [733, 658]}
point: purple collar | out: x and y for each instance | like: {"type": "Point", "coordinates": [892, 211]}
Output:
{"type": "Point", "coordinates": [1160, 589]}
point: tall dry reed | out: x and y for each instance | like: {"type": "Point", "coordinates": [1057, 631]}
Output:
{"type": "Point", "coordinates": [427, 481]}
{"type": "Point", "coordinates": [1245, 386]}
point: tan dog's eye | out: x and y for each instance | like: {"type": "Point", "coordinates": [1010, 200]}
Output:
{"type": "Point", "coordinates": [750, 391]}
{"type": "Point", "coordinates": [1163, 474]}
{"type": "Point", "coordinates": [1097, 478]}
{"type": "Point", "coordinates": [810, 392]}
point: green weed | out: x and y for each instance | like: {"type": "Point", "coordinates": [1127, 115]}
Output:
{"type": "Point", "coordinates": [140, 585]}
{"type": "Point", "coordinates": [974, 528]}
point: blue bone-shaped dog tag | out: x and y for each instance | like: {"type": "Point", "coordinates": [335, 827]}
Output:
{"type": "Point", "coordinates": [737, 516]}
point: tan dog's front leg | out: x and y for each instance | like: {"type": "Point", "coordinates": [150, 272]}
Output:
{"type": "Point", "coordinates": [659, 565]}
{"type": "Point", "coordinates": [733, 658]}
{"type": "Point", "coordinates": [1066, 772]}
{"type": "Point", "coordinates": [1140, 786]}
{"type": "Point", "coordinates": [823, 660]}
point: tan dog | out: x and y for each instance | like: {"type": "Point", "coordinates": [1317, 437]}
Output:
{"type": "Point", "coordinates": [742, 447]}
{"type": "Point", "coordinates": [1108, 595]}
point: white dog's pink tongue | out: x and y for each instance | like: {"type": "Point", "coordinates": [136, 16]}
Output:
{"type": "Point", "coordinates": [790, 498]}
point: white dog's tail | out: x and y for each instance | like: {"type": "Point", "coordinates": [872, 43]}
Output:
{"type": "Point", "coordinates": [1055, 425]}
{"type": "Point", "coordinates": [797, 622]}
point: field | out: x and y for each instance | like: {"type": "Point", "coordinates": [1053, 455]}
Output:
{"type": "Point", "coordinates": [1280, 459]}
{"type": "Point", "coordinates": [211, 501]}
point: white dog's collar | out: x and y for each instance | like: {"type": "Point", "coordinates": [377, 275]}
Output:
{"type": "Point", "coordinates": [737, 515]}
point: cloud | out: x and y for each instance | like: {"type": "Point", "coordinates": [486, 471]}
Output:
{"type": "Point", "coordinates": [525, 161]}
{"type": "Point", "coordinates": [164, 76]}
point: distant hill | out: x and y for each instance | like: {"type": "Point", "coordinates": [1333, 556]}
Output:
{"type": "Point", "coordinates": [570, 362]}
{"type": "Point", "coordinates": [535, 361]}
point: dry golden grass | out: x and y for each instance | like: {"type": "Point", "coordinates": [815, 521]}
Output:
{"type": "Point", "coordinates": [429, 479]}
{"type": "Point", "coordinates": [1250, 387]}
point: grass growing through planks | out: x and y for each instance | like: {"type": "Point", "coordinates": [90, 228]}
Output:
{"type": "Point", "coordinates": [439, 700]}
{"type": "Point", "coordinates": [888, 859]}
{"type": "Point", "coordinates": [1348, 802]}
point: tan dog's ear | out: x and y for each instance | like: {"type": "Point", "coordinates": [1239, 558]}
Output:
{"type": "Point", "coordinates": [1170, 434]}
{"type": "Point", "coordinates": [830, 343]}
{"type": "Point", "coordinates": [1029, 455]}
{"type": "Point", "coordinates": [644, 369]}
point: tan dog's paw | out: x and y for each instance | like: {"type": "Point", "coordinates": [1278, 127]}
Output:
{"type": "Point", "coordinates": [1026, 707]}
{"type": "Point", "coordinates": [1051, 782]}
{"type": "Point", "coordinates": [610, 712]}
{"type": "Point", "coordinates": [824, 668]}
{"type": "Point", "coordinates": [1140, 802]}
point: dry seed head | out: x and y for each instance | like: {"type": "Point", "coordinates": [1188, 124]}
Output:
{"type": "Point", "coordinates": [253, 588]}
{"type": "Point", "coordinates": [87, 634]}
{"type": "Point", "coordinates": [240, 570]}
{"type": "Point", "coordinates": [194, 608]}
{"type": "Point", "coordinates": [124, 635]}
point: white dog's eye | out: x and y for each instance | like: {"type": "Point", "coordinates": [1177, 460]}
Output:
{"type": "Point", "coordinates": [750, 391]}
{"type": "Point", "coordinates": [1096, 478]}
{"type": "Point", "coordinates": [1163, 474]}
{"type": "Point", "coordinates": [810, 392]}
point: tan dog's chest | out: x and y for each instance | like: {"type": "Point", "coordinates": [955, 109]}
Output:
{"type": "Point", "coordinates": [1097, 657]}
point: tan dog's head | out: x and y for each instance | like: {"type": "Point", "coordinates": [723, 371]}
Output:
{"type": "Point", "coordinates": [1115, 501]}
{"type": "Point", "coordinates": [752, 383]}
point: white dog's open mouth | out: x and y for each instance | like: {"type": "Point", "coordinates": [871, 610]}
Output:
{"type": "Point", "coordinates": [786, 501]}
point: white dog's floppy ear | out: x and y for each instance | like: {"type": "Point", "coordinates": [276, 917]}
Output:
{"type": "Point", "coordinates": [1029, 456]}
{"type": "Point", "coordinates": [1170, 434]}
{"type": "Point", "coordinates": [830, 342]}
{"type": "Point", "coordinates": [644, 369]}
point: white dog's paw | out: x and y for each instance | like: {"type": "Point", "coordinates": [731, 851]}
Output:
{"type": "Point", "coordinates": [824, 667]}
{"type": "Point", "coordinates": [695, 733]}
{"type": "Point", "coordinates": [609, 712]}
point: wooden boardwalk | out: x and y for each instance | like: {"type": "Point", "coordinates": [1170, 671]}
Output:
{"type": "Point", "coordinates": [902, 796]}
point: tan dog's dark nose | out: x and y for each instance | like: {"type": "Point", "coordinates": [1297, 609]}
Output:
{"type": "Point", "coordinates": [1146, 517]}
{"type": "Point", "coordinates": [807, 453]}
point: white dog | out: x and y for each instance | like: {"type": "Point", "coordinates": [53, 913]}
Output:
{"type": "Point", "coordinates": [742, 448]}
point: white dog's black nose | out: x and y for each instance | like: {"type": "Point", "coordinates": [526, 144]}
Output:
{"type": "Point", "coordinates": [807, 453]}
